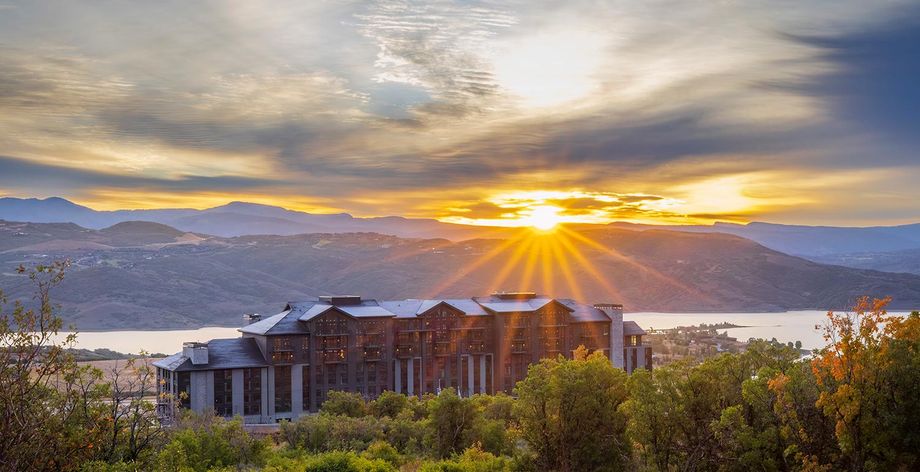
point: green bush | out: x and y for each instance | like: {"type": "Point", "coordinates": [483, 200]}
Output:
{"type": "Point", "coordinates": [201, 444]}
{"type": "Point", "coordinates": [328, 462]}
{"type": "Point", "coordinates": [344, 403]}
{"type": "Point", "coordinates": [389, 404]}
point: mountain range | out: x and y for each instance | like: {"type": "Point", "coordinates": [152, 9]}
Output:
{"type": "Point", "coordinates": [144, 275]}
{"type": "Point", "coordinates": [235, 219]}
{"type": "Point", "coordinates": [885, 248]}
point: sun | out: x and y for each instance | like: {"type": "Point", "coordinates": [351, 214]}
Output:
{"type": "Point", "coordinates": [543, 218]}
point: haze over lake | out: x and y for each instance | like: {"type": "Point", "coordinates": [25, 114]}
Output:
{"type": "Point", "coordinates": [785, 327]}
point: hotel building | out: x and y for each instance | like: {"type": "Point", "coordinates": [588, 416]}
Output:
{"type": "Point", "coordinates": [282, 366]}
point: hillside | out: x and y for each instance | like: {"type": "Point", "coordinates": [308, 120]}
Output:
{"type": "Point", "coordinates": [813, 242]}
{"type": "Point", "coordinates": [839, 245]}
{"type": "Point", "coordinates": [236, 219]}
{"type": "Point", "coordinates": [183, 280]}
{"type": "Point", "coordinates": [906, 261]}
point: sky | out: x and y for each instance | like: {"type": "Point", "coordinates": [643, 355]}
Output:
{"type": "Point", "coordinates": [502, 113]}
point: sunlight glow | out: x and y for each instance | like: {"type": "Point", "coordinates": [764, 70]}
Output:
{"type": "Point", "coordinates": [550, 68]}
{"type": "Point", "coordinates": [543, 218]}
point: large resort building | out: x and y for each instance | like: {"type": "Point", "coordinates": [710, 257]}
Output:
{"type": "Point", "coordinates": [283, 366]}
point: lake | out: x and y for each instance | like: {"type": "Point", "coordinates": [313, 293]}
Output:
{"type": "Point", "coordinates": [785, 326]}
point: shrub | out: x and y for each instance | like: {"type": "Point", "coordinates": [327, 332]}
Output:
{"type": "Point", "coordinates": [345, 404]}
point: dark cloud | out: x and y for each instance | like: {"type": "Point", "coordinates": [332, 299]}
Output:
{"type": "Point", "coordinates": [873, 79]}
{"type": "Point", "coordinates": [25, 175]}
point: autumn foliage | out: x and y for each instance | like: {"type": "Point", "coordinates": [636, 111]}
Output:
{"type": "Point", "coordinates": [853, 405]}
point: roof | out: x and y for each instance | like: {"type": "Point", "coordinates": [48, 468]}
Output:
{"type": "Point", "coordinates": [233, 353]}
{"type": "Point", "coordinates": [631, 328]}
{"type": "Point", "coordinates": [583, 312]}
{"type": "Point", "coordinates": [364, 309]}
{"type": "Point", "coordinates": [414, 307]}
{"type": "Point", "coordinates": [282, 323]}
{"type": "Point", "coordinates": [287, 322]}
{"type": "Point", "coordinates": [499, 304]}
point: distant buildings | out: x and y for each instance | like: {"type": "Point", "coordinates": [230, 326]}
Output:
{"type": "Point", "coordinates": [283, 365]}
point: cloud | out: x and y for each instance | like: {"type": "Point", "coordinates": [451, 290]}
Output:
{"type": "Point", "coordinates": [407, 107]}
{"type": "Point", "coordinates": [871, 82]}
{"type": "Point", "coordinates": [26, 176]}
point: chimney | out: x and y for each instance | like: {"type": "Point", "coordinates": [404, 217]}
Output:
{"type": "Point", "coordinates": [251, 318]}
{"type": "Point", "coordinates": [197, 352]}
{"type": "Point", "coordinates": [614, 311]}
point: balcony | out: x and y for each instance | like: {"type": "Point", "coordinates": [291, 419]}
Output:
{"type": "Point", "coordinates": [283, 357]}
{"type": "Point", "coordinates": [372, 354]}
{"type": "Point", "coordinates": [476, 347]}
{"type": "Point", "coordinates": [442, 349]}
{"type": "Point", "coordinates": [518, 347]}
{"type": "Point", "coordinates": [404, 350]}
{"type": "Point", "coordinates": [333, 356]}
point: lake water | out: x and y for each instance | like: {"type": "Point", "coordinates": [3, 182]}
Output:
{"type": "Point", "coordinates": [786, 326]}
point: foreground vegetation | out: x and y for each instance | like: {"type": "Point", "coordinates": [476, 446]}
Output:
{"type": "Point", "coordinates": [853, 406]}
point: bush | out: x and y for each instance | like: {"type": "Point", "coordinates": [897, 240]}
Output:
{"type": "Point", "coordinates": [389, 404]}
{"type": "Point", "coordinates": [345, 404]}
{"type": "Point", "coordinates": [472, 460]}
{"type": "Point", "coordinates": [329, 462]}
{"type": "Point", "coordinates": [201, 444]}
{"type": "Point", "coordinates": [325, 432]}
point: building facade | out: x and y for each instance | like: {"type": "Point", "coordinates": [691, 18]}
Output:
{"type": "Point", "coordinates": [283, 366]}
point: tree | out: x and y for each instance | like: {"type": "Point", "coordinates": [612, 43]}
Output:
{"type": "Point", "coordinates": [50, 415]}
{"type": "Point", "coordinates": [569, 413]}
{"type": "Point", "coordinates": [132, 427]}
{"type": "Point", "coordinates": [868, 381]}
{"type": "Point", "coordinates": [452, 420]}
{"type": "Point", "coordinates": [654, 412]}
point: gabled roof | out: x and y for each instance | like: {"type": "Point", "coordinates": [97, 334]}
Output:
{"type": "Point", "coordinates": [583, 312]}
{"type": "Point", "coordinates": [631, 328]}
{"type": "Point", "coordinates": [286, 322]}
{"type": "Point", "coordinates": [413, 307]}
{"type": "Point", "coordinates": [234, 353]}
{"type": "Point", "coordinates": [282, 323]}
{"type": "Point", "coordinates": [499, 305]}
{"type": "Point", "coordinates": [365, 309]}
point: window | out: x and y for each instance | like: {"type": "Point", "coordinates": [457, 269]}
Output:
{"type": "Point", "coordinates": [282, 343]}
{"type": "Point", "coordinates": [283, 357]}
{"type": "Point", "coordinates": [331, 325]}
{"type": "Point", "coordinates": [184, 389]}
{"type": "Point", "coordinates": [252, 391]}
{"type": "Point", "coordinates": [372, 374]}
{"type": "Point", "coordinates": [334, 356]}
{"type": "Point", "coordinates": [372, 353]}
{"type": "Point", "coordinates": [282, 389]}
{"type": "Point", "coordinates": [223, 392]}
{"type": "Point", "coordinates": [334, 342]}
{"type": "Point", "coordinates": [282, 350]}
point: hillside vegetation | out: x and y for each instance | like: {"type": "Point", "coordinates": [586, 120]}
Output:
{"type": "Point", "coordinates": [146, 275]}
{"type": "Point", "coordinates": [853, 406]}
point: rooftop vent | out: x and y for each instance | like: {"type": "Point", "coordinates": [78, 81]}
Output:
{"type": "Point", "coordinates": [196, 352]}
{"type": "Point", "coordinates": [251, 318]}
{"type": "Point", "coordinates": [339, 300]}
{"type": "Point", "coordinates": [618, 306]}
{"type": "Point", "coordinates": [515, 295]}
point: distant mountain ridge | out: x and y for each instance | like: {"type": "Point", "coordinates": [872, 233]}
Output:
{"type": "Point", "coordinates": [868, 247]}
{"type": "Point", "coordinates": [811, 241]}
{"type": "Point", "coordinates": [235, 219]}
{"type": "Point", "coordinates": [150, 276]}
